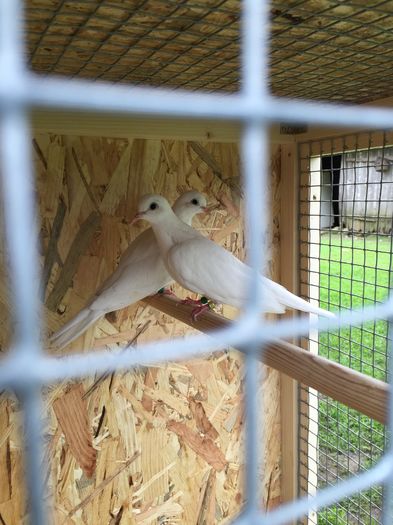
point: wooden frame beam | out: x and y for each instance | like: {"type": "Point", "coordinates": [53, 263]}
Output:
{"type": "Point", "coordinates": [358, 391]}
{"type": "Point", "coordinates": [81, 123]}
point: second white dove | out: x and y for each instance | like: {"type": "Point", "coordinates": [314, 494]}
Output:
{"type": "Point", "coordinates": [202, 266]}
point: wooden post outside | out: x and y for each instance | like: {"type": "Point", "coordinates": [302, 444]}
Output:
{"type": "Point", "coordinates": [289, 278]}
{"type": "Point", "coordinates": [311, 421]}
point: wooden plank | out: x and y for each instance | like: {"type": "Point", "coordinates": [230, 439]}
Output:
{"type": "Point", "coordinates": [121, 126]}
{"type": "Point", "coordinates": [358, 391]}
{"type": "Point", "coordinates": [289, 279]}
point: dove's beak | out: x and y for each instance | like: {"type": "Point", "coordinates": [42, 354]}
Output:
{"type": "Point", "coordinates": [137, 217]}
{"type": "Point", "coordinates": [212, 207]}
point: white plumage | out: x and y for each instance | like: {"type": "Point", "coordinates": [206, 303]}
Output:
{"type": "Point", "coordinates": [204, 267]}
{"type": "Point", "coordinates": [141, 272]}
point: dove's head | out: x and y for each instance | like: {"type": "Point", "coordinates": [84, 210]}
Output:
{"type": "Point", "coordinates": [153, 208]}
{"type": "Point", "coordinates": [189, 204]}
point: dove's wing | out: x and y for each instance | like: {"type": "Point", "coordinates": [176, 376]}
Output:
{"type": "Point", "coordinates": [139, 251]}
{"type": "Point", "coordinates": [74, 327]}
{"type": "Point", "coordinates": [141, 272]}
{"type": "Point", "coordinates": [134, 282]}
{"type": "Point", "coordinates": [204, 267]}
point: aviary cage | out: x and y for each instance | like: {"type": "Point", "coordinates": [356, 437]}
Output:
{"type": "Point", "coordinates": [152, 429]}
{"type": "Point", "coordinates": [345, 261]}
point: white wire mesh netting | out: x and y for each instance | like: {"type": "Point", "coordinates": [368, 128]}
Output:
{"type": "Point", "coordinates": [26, 369]}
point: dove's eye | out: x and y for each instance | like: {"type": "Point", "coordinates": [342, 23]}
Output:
{"type": "Point", "coordinates": [195, 201]}
{"type": "Point", "coordinates": [153, 205]}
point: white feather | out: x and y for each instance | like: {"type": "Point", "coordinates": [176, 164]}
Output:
{"type": "Point", "coordinates": [141, 272]}
{"type": "Point", "coordinates": [204, 267]}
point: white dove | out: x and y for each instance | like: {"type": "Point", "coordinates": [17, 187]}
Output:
{"type": "Point", "coordinates": [204, 267]}
{"type": "Point", "coordinates": [141, 272]}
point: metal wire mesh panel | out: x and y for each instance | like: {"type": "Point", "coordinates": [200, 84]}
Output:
{"type": "Point", "coordinates": [188, 43]}
{"type": "Point", "coordinates": [327, 49]}
{"type": "Point", "coordinates": [319, 50]}
{"type": "Point", "coordinates": [26, 368]}
{"type": "Point", "coordinates": [346, 205]}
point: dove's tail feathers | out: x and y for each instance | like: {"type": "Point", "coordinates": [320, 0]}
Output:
{"type": "Point", "coordinates": [300, 304]}
{"type": "Point", "coordinates": [74, 327]}
{"type": "Point", "coordinates": [290, 300]}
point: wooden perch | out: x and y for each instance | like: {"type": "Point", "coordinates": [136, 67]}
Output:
{"type": "Point", "coordinates": [363, 393]}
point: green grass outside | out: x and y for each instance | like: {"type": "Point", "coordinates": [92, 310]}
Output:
{"type": "Point", "coordinates": [355, 271]}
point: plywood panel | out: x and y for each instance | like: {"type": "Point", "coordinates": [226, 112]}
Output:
{"type": "Point", "coordinates": [169, 439]}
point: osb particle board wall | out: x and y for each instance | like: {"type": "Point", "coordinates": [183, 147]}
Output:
{"type": "Point", "coordinates": [168, 439]}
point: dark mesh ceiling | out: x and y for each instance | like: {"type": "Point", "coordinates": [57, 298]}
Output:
{"type": "Point", "coordinates": [319, 49]}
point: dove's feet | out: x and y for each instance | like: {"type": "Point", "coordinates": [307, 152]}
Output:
{"type": "Point", "coordinates": [202, 305]}
{"type": "Point", "coordinates": [199, 310]}
{"type": "Point", "coordinates": [166, 291]}
{"type": "Point", "coordinates": [193, 302]}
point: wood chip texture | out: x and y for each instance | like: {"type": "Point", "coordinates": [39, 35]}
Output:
{"type": "Point", "coordinates": [162, 444]}
{"type": "Point", "coordinates": [71, 413]}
